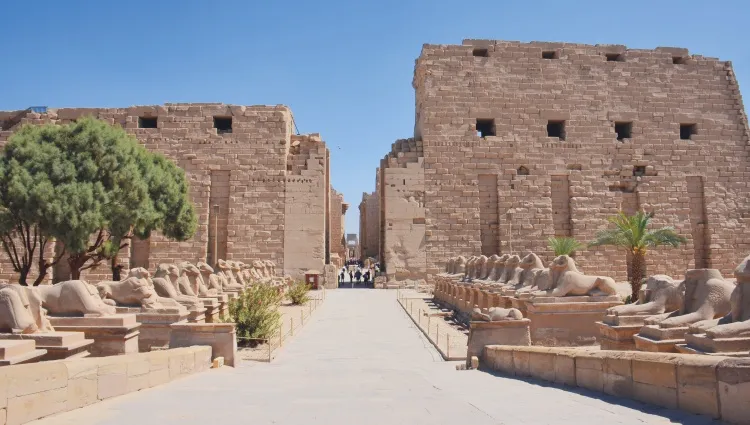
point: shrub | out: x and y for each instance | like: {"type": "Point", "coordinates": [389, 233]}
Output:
{"type": "Point", "coordinates": [256, 312]}
{"type": "Point", "coordinates": [297, 293]}
{"type": "Point", "coordinates": [564, 245]}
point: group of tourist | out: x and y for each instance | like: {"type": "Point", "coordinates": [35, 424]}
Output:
{"type": "Point", "coordinates": [356, 274]}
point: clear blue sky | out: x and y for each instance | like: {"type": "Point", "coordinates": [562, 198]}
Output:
{"type": "Point", "coordinates": [344, 67]}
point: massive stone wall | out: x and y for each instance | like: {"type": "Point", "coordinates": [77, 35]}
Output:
{"type": "Point", "coordinates": [369, 225]}
{"type": "Point", "coordinates": [338, 226]}
{"type": "Point", "coordinates": [306, 210]}
{"type": "Point", "coordinates": [549, 115]}
{"type": "Point", "coordinates": [257, 186]}
{"type": "Point", "coordinates": [402, 182]}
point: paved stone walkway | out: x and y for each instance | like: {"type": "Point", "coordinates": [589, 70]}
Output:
{"type": "Point", "coordinates": [361, 361]}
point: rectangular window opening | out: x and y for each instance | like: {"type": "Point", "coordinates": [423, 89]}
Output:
{"type": "Point", "coordinates": [678, 60]}
{"type": "Point", "coordinates": [223, 124]}
{"type": "Point", "coordinates": [147, 122]}
{"type": "Point", "coordinates": [639, 170]}
{"type": "Point", "coordinates": [624, 130]}
{"type": "Point", "coordinates": [614, 57]}
{"type": "Point", "coordinates": [485, 127]}
{"type": "Point", "coordinates": [687, 131]}
{"type": "Point", "coordinates": [556, 129]}
{"type": "Point", "coordinates": [551, 54]}
{"type": "Point", "coordinates": [483, 53]}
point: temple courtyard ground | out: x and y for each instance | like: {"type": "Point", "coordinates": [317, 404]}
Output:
{"type": "Point", "coordinates": [360, 360]}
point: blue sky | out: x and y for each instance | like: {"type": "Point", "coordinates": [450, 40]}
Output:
{"type": "Point", "coordinates": [344, 67]}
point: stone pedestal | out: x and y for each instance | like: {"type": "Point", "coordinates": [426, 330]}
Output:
{"type": "Point", "coordinates": [19, 352]}
{"type": "Point", "coordinates": [112, 335]}
{"type": "Point", "coordinates": [59, 345]}
{"type": "Point", "coordinates": [568, 321]}
{"type": "Point", "coordinates": [221, 337]}
{"type": "Point", "coordinates": [155, 326]}
{"type": "Point", "coordinates": [223, 305]}
{"type": "Point", "coordinates": [520, 304]}
{"type": "Point", "coordinates": [505, 332]}
{"type": "Point", "coordinates": [659, 340]}
{"type": "Point", "coordinates": [212, 312]}
{"type": "Point", "coordinates": [617, 332]}
{"type": "Point", "coordinates": [703, 344]}
{"type": "Point", "coordinates": [197, 316]}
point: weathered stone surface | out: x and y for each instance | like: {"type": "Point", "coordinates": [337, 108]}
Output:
{"type": "Point", "coordinates": [478, 198]}
{"type": "Point", "coordinates": [264, 190]}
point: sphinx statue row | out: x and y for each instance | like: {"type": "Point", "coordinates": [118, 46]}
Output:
{"type": "Point", "coordinates": [496, 288]}
{"type": "Point", "coordinates": [701, 310]}
{"type": "Point", "coordinates": [516, 275]}
{"type": "Point", "coordinates": [177, 287]}
{"type": "Point", "coordinates": [702, 313]}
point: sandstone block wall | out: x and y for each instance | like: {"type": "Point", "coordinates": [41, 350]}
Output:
{"type": "Point", "coordinates": [402, 183]}
{"type": "Point", "coordinates": [33, 391]}
{"type": "Point", "coordinates": [550, 115]}
{"type": "Point", "coordinates": [338, 226]}
{"type": "Point", "coordinates": [259, 185]}
{"type": "Point", "coordinates": [706, 385]}
{"type": "Point", "coordinates": [369, 225]}
{"type": "Point", "coordinates": [306, 211]}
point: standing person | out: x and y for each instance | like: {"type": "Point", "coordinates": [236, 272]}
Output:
{"type": "Point", "coordinates": [358, 275]}
{"type": "Point", "coordinates": [351, 276]}
{"type": "Point", "coordinates": [341, 277]}
{"type": "Point", "coordinates": [367, 275]}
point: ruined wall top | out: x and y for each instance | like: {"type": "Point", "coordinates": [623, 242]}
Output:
{"type": "Point", "coordinates": [514, 52]}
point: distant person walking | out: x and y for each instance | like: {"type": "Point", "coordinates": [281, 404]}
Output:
{"type": "Point", "coordinates": [351, 276]}
{"type": "Point", "coordinates": [358, 275]}
{"type": "Point", "coordinates": [367, 275]}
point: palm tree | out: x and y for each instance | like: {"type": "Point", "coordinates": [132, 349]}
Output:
{"type": "Point", "coordinates": [631, 233]}
{"type": "Point", "coordinates": [564, 245]}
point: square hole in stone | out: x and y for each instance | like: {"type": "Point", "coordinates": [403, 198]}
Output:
{"type": "Point", "coordinates": [485, 127]}
{"type": "Point", "coordinates": [556, 129]}
{"type": "Point", "coordinates": [147, 122]}
{"type": "Point", "coordinates": [223, 124]}
{"type": "Point", "coordinates": [483, 53]}
{"type": "Point", "coordinates": [550, 54]}
{"type": "Point", "coordinates": [614, 57]}
{"type": "Point", "coordinates": [624, 130]}
{"type": "Point", "coordinates": [679, 60]}
{"type": "Point", "coordinates": [639, 170]}
{"type": "Point", "coordinates": [687, 131]}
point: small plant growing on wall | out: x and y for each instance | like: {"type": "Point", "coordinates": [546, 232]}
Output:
{"type": "Point", "coordinates": [631, 233]}
{"type": "Point", "coordinates": [256, 312]}
{"type": "Point", "coordinates": [564, 245]}
{"type": "Point", "coordinates": [297, 293]}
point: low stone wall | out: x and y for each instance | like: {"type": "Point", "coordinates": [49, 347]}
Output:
{"type": "Point", "coordinates": [33, 391]}
{"type": "Point", "coordinates": [708, 385]}
{"type": "Point", "coordinates": [221, 337]}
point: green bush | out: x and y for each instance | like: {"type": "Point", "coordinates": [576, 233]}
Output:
{"type": "Point", "coordinates": [256, 312]}
{"type": "Point", "coordinates": [297, 293]}
{"type": "Point", "coordinates": [563, 245]}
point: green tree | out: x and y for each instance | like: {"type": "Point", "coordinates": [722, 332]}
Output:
{"type": "Point", "coordinates": [632, 234]}
{"type": "Point", "coordinates": [90, 186]}
{"type": "Point", "coordinates": [564, 245]}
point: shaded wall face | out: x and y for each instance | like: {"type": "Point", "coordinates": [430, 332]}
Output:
{"type": "Point", "coordinates": [570, 185]}
{"type": "Point", "coordinates": [305, 219]}
{"type": "Point", "coordinates": [337, 226]}
{"type": "Point", "coordinates": [245, 170]}
{"type": "Point", "coordinates": [372, 230]}
{"type": "Point", "coordinates": [404, 243]}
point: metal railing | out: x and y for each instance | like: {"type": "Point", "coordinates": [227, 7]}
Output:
{"type": "Point", "coordinates": [445, 336]}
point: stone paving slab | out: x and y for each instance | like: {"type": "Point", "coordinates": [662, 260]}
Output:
{"type": "Point", "coordinates": [361, 360]}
